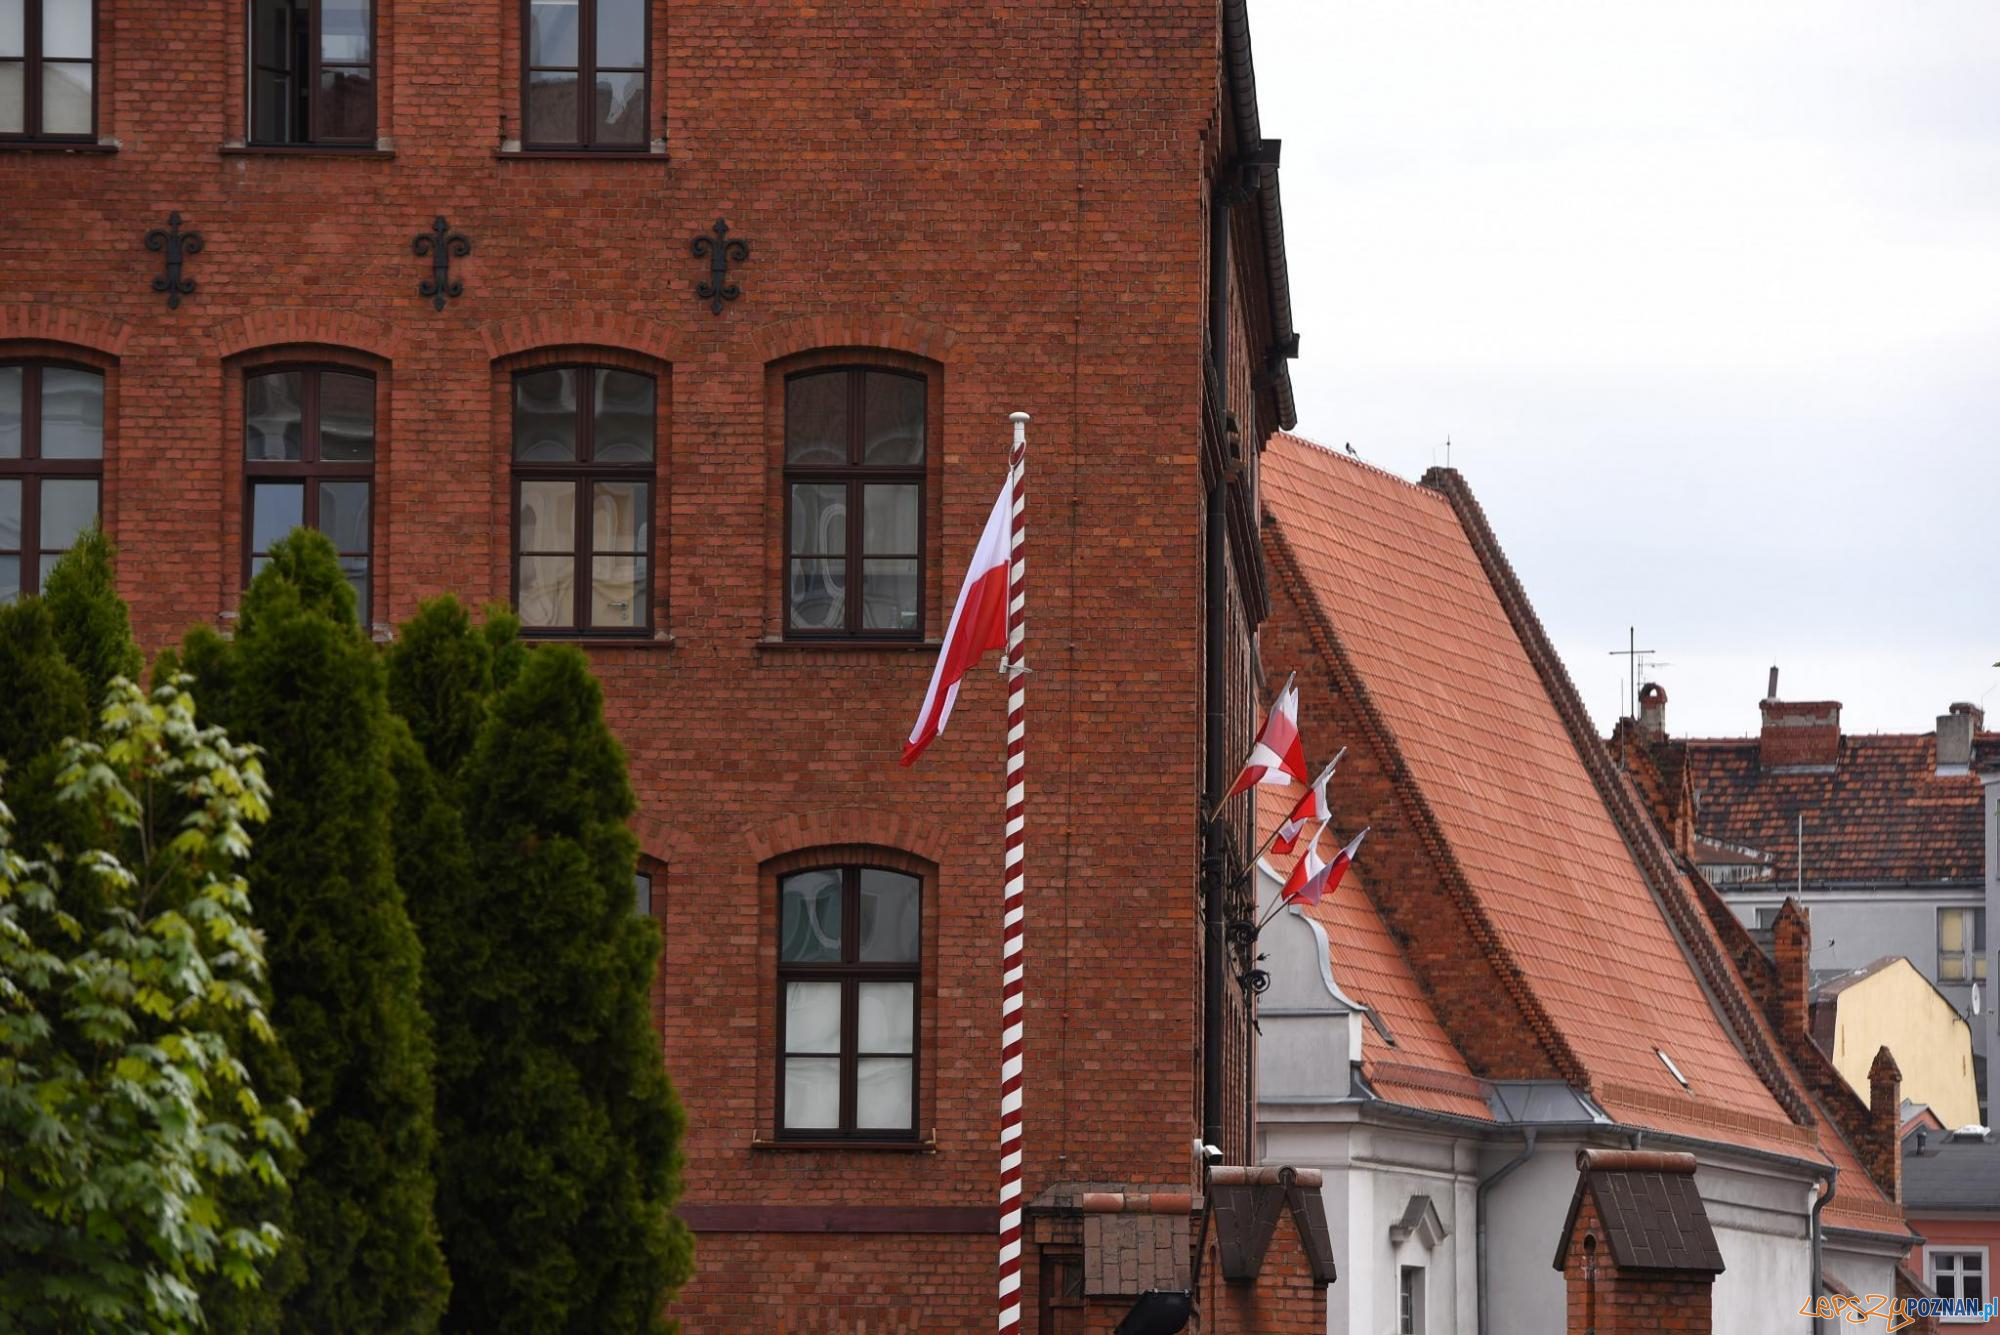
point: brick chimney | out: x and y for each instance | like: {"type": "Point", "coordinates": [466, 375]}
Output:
{"type": "Point", "coordinates": [1955, 731]}
{"type": "Point", "coordinates": [1884, 1147]}
{"type": "Point", "coordinates": [1637, 1251]}
{"type": "Point", "coordinates": [1653, 711]}
{"type": "Point", "coordinates": [1791, 948]}
{"type": "Point", "coordinates": [1799, 734]}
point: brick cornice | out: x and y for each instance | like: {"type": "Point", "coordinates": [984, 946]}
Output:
{"type": "Point", "coordinates": [1507, 972]}
{"type": "Point", "coordinates": [585, 326]}
{"type": "Point", "coordinates": [278, 326]}
{"type": "Point", "coordinates": [1636, 827]}
{"type": "Point", "coordinates": [44, 322]}
{"type": "Point", "coordinates": [835, 826]}
{"type": "Point", "coordinates": [901, 333]}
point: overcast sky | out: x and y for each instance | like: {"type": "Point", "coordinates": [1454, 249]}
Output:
{"type": "Point", "coordinates": [1707, 298]}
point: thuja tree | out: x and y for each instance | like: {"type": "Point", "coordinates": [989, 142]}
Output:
{"type": "Point", "coordinates": [560, 1160]}
{"type": "Point", "coordinates": [126, 1110]}
{"type": "Point", "coordinates": [302, 680]}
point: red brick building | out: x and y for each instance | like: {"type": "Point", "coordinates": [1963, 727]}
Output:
{"type": "Point", "coordinates": [746, 478]}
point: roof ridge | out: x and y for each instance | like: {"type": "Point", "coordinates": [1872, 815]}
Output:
{"type": "Point", "coordinates": [1352, 460]}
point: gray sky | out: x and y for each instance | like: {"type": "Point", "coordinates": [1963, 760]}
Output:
{"type": "Point", "coordinates": [1707, 297]}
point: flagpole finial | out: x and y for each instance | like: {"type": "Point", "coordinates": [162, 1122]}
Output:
{"type": "Point", "coordinates": [1018, 418]}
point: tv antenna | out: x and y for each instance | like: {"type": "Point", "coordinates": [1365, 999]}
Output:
{"type": "Point", "coordinates": [1632, 654]}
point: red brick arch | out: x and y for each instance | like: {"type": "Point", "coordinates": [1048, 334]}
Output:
{"type": "Point", "coordinates": [580, 328]}
{"type": "Point", "coordinates": [39, 322]}
{"type": "Point", "coordinates": [278, 326]}
{"type": "Point", "coordinates": [843, 826]}
{"type": "Point", "coordinates": [898, 332]}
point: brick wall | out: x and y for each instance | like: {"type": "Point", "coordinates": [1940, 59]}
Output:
{"type": "Point", "coordinates": [1008, 196]}
{"type": "Point", "coordinates": [1603, 1300]}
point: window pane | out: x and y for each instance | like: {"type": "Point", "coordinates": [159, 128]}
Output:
{"type": "Point", "coordinates": [66, 97]}
{"type": "Point", "coordinates": [1951, 930]}
{"type": "Point", "coordinates": [618, 109]}
{"type": "Point", "coordinates": [617, 592]}
{"type": "Point", "coordinates": [551, 111]}
{"type": "Point", "coordinates": [346, 103]}
{"type": "Point", "coordinates": [356, 570]}
{"type": "Point", "coordinates": [10, 578]}
{"type": "Point", "coordinates": [892, 421]}
{"type": "Point", "coordinates": [552, 32]}
{"type": "Point", "coordinates": [343, 31]}
{"type": "Point", "coordinates": [346, 417]}
{"type": "Point", "coordinates": [812, 1093]}
{"type": "Point", "coordinates": [624, 418]}
{"type": "Point", "coordinates": [548, 516]}
{"type": "Point", "coordinates": [889, 595]}
{"type": "Point", "coordinates": [10, 514]}
{"type": "Point", "coordinates": [809, 923]}
{"type": "Point", "coordinates": [545, 416]}
{"type": "Point", "coordinates": [72, 414]}
{"type": "Point", "coordinates": [1951, 968]}
{"type": "Point", "coordinates": [889, 520]}
{"type": "Point", "coordinates": [816, 418]}
{"type": "Point", "coordinates": [642, 892]}
{"type": "Point", "coordinates": [882, 1088]}
{"type": "Point", "coordinates": [69, 506]}
{"type": "Point", "coordinates": [887, 1017]}
{"type": "Point", "coordinates": [13, 28]}
{"type": "Point", "coordinates": [819, 519]}
{"type": "Point", "coordinates": [621, 33]}
{"type": "Point", "coordinates": [548, 590]}
{"type": "Point", "coordinates": [819, 595]}
{"type": "Point", "coordinates": [812, 1017]}
{"type": "Point", "coordinates": [889, 916]}
{"type": "Point", "coordinates": [270, 108]}
{"type": "Point", "coordinates": [273, 422]}
{"type": "Point", "coordinates": [276, 508]}
{"type": "Point", "coordinates": [271, 33]}
{"type": "Point", "coordinates": [343, 515]}
{"type": "Point", "coordinates": [66, 29]}
{"type": "Point", "coordinates": [13, 97]}
{"type": "Point", "coordinates": [10, 412]}
{"type": "Point", "coordinates": [619, 515]}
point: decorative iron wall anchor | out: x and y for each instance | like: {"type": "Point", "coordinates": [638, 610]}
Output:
{"type": "Point", "coordinates": [719, 250]}
{"type": "Point", "coordinates": [178, 245]}
{"type": "Point", "coordinates": [441, 243]}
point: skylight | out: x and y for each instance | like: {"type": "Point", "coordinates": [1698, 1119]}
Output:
{"type": "Point", "coordinates": [1672, 1069]}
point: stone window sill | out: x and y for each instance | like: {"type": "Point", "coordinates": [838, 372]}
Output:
{"type": "Point", "coordinates": [662, 642]}
{"type": "Point", "coordinates": [778, 644]}
{"type": "Point", "coordinates": [101, 147]}
{"type": "Point", "coordinates": [305, 151]}
{"type": "Point", "coordinates": [776, 1145]}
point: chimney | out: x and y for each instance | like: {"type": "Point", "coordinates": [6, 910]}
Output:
{"type": "Point", "coordinates": [1955, 731]}
{"type": "Point", "coordinates": [1791, 948]}
{"type": "Point", "coordinates": [1799, 734]}
{"type": "Point", "coordinates": [1885, 1117]}
{"type": "Point", "coordinates": [1653, 712]}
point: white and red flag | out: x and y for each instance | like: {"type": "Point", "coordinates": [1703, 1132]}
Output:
{"type": "Point", "coordinates": [978, 623]}
{"type": "Point", "coordinates": [1312, 880]}
{"type": "Point", "coordinates": [1309, 808]}
{"type": "Point", "coordinates": [1278, 758]}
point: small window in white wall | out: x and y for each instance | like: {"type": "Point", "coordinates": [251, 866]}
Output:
{"type": "Point", "coordinates": [1961, 945]}
{"type": "Point", "coordinates": [1957, 1274]}
{"type": "Point", "coordinates": [1410, 1301]}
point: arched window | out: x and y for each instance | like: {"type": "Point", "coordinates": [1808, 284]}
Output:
{"type": "Point", "coordinates": [51, 466]}
{"type": "Point", "coordinates": [309, 461]}
{"type": "Point", "coordinates": [850, 940]}
{"type": "Point", "coordinates": [583, 499]}
{"type": "Point", "coordinates": [854, 504]}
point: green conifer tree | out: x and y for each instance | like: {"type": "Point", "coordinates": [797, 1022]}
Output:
{"type": "Point", "coordinates": [562, 1163]}
{"type": "Point", "coordinates": [92, 623]}
{"type": "Point", "coordinates": [302, 680]}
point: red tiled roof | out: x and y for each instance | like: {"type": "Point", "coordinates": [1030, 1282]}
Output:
{"type": "Point", "coordinates": [1882, 813]}
{"type": "Point", "coordinates": [1393, 570]}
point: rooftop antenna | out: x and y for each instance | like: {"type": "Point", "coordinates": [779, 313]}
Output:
{"type": "Point", "coordinates": [1632, 653]}
{"type": "Point", "coordinates": [1447, 464]}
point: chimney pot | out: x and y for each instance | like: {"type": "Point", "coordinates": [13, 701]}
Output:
{"type": "Point", "coordinates": [1653, 711]}
{"type": "Point", "coordinates": [1955, 731]}
{"type": "Point", "coordinates": [1771, 691]}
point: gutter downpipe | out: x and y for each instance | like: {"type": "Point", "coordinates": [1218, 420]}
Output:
{"type": "Point", "coordinates": [1818, 1244]}
{"type": "Point", "coordinates": [1486, 1184]}
{"type": "Point", "coordinates": [1215, 631]}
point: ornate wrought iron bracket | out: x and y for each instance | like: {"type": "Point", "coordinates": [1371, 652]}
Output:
{"type": "Point", "coordinates": [719, 251]}
{"type": "Point", "coordinates": [441, 243]}
{"type": "Point", "coordinates": [178, 245]}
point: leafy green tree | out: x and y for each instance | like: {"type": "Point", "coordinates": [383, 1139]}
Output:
{"type": "Point", "coordinates": [302, 680]}
{"type": "Point", "coordinates": [561, 1160]}
{"type": "Point", "coordinates": [125, 1107]}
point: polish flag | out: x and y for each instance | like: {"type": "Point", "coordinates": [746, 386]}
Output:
{"type": "Point", "coordinates": [1312, 880]}
{"type": "Point", "coordinates": [978, 623]}
{"type": "Point", "coordinates": [1278, 758]}
{"type": "Point", "coordinates": [1311, 807]}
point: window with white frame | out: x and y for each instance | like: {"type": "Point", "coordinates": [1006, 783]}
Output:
{"type": "Point", "coordinates": [1961, 940]}
{"type": "Point", "coordinates": [1957, 1273]}
{"type": "Point", "coordinates": [1410, 1301]}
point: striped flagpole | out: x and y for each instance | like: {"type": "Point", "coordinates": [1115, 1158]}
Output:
{"type": "Point", "coordinates": [1013, 921]}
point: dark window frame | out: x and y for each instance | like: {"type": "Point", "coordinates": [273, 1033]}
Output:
{"type": "Point", "coordinates": [32, 60]}
{"type": "Point", "coordinates": [850, 972]}
{"type": "Point", "coordinates": [314, 67]}
{"type": "Point", "coordinates": [583, 471]}
{"type": "Point", "coordinates": [586, 71]}
{"type": "Point", "coordinates": [855, 475]}
{"type": "Point", "coordinates": [308, 470]}
{"type": "Point", "coordinates": [31, 469]}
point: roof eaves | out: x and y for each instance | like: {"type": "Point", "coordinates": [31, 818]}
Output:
{"type": "Point", "coordinates": [1241, 72]}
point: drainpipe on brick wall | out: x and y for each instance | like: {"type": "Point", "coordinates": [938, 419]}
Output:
{"type": "Point", "coordinates": [1215, 736]}
{"type": "Point", "coordinates": [1487, 1184]}
{"type": "Point", "coordinates": [1818, 1245]}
